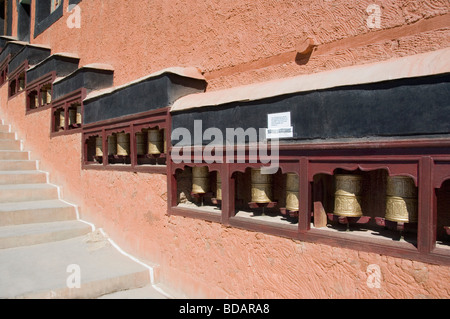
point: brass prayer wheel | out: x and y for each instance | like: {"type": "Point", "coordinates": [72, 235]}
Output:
{"type": "Point", "coordinates": [36, 102]}
{"type": "Point", "coordinates": [112, 144]}
{"type": "Point", "coordinates": [200, 180]}
{"type": "Point", "coordinates": [347, 199]}
{"type": "Point", "coordinates": [140, 143]}
{"type": "Point", "coordinates": [401, 201]}
{"type": "Point", "coordinates": [261, 187]}
{"type": "Point", "coordinates": [62, 119]}
{"type": "Point", "coordinates": [99, 146]}
{"type": "Point", "coordinates": [292, 192]}
{"type": "Point", "coordinates": [155, 142]}
{"type": "Point", "coordinates": [123, 144]}
{"type": "Point", "coordinates": [79, 118]}
{"type": "Point", "coordinates": [219, 187]}
{"type": "Point", "coordinates": [21, 82]}
{"type": "Point", "coordinates": [49, 97]}
{"type": "Point", "coordinates": [46, 95]}
{"type": "Point", "coordinates": [72, 116]}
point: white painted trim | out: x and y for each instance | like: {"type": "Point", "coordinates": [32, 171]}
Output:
{"type": "Point", "coordinates": [425, 64]}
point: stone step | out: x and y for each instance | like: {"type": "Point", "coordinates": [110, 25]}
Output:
{"type": "Point", "coordinates": [13, 155]}
{"type": "Point", "coordinates": [22, 177]}
{"type": "Point", "coordinates": [34, 234]}
{"type": "Point", "coordinates": [4, 128]}
{"type": "Point", "coordinates": [44, 271]}
{"type": "Point", "coordinates": [33, 212]}
{"type": "Point", "coordinates": [147, 292]}
{"type": "Point", "coordinates": [7, 136]}
{"type": "Point", "coordinates": [17, 165]}
{"type": "Point", "coordinates": [9, 145]}
{"type": "Point", "coordinates": [27, 192]}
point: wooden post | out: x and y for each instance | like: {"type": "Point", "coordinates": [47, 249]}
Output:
{"type": "Point", "coordinates": [426, 236]}
{"type": "Point", "coordinates": [304, 218]}
{"type": "Point", "coordinates": [320, 215]}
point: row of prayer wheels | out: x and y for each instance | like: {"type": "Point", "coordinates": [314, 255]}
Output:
{"type": "Point", "coordinates": [119, 143]}
{"type": "Point", "coordinates": [261, 186]}
{"type": "Point", "coordinates": [46, 97]}
{"type": "Point", "coordinates": [262, 189]}
{"type": "Point", "coordinates": [74, 117]}
{"type": "Point", "coordinates": [401, 198]}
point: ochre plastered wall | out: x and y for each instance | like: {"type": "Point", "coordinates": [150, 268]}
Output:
{"type": "Point", "coordinates": [234, 43]}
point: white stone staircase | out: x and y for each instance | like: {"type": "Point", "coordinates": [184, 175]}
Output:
{"type": "Point", "coordinates": [41, 236]}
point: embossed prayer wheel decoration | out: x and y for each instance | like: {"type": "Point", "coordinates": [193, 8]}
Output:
{"type": "Point", "coordinates": [200, 180]}
{"type": "Point", "coordinates": [155, 142]}
{"type": "Point", "coordinates": [99, 146]}
{"type": "Point", "coordinates": [261, 187]}
{"type": "Point", "coordinates": [292, 192]}
{"type": "Point", "coordinates": [219, 187]}
{"type": "Point", "coordinates": [112, 144]}
{"type": "Point", "coordinates": [401, 201]}
{"type": "Point", "coordinates": [347, 199]}
{"type": "Point", "coordinates": [140, 143]}
{"type": "Point", "coordinates": [123, 144]}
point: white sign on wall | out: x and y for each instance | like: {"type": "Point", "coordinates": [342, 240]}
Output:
{"type": "Point", "coordinates": [279, 126]}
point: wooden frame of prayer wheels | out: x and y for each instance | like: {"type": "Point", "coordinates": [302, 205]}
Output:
{"type": "Point", "coordinates": [200, 180]}
{"type": "Point", "coordinates": [401, 200]}
{"type": "Point", "coordinates": [133, 154]}
{"type": "Point", "coordinates": [347, 202]}
{"type": "Point", "coordinates": [218, 186]}
{"type": "Point", "coordinates": [261, 187]}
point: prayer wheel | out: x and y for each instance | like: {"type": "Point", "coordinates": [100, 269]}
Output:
{"type": "Point", "coordinates": [347, 201]}
{"type": "Point", "coordinates": [401, 201]}
{"type": "Point", "coordinates": [140, 143]}
{"type": "Point", "coordinates": [200, 180]}
{"type": "Point", "coordinates": [46, 96]}
{"type": "Point", "coordinates": [219, 187]}
{"type": "Point", "coordinates": [62, 119]}
{"type": "Point", "coordinates": [79, 119]}
{"type": "Point", "coordinates": [99, 146]}
{"type": "Point", "coordinates": [21, 82]}
{"type": "Point", "coordinates": [49, 96]}
{"type": "Point", "coordinates": [261, 187]}
{"type": "Point", "coordinates": [72, 116]}
{"type": "Point", "coordinates": [36, 101]}
{"type": "Point", "coordinates": [123, 144]}
{"type": "Point", "coordinates": [292, 192]}
{"type": "Point", "coordinates": [155, 142]}
{"type": "Point", "coordinates": [112, 144]}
